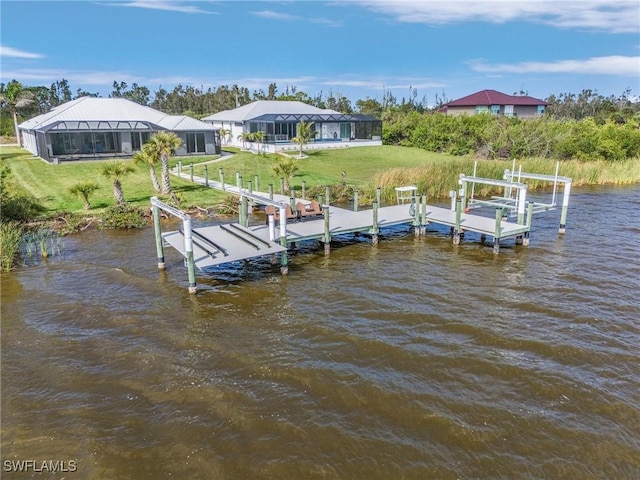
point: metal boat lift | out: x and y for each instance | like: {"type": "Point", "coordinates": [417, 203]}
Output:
{"type": "Point", "coordinates": [511, 204]}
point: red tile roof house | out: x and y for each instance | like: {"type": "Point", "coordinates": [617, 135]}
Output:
{"type": "Point", "coordinates": [496, 103]}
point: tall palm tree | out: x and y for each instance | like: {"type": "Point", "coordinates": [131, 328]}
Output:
{"type": "Point", "coordinates": [245, 137]}
{"type": "Point", "coordinates": [16, 97]}
{"type": "Point", "coordinates": [116, 171]}
{"type": "Point", "coordinates": [305, 133]}
{"type": "Point", "coordinates": [165, 144]}
{"type": "Point", "coordinates": [259, 137]}
{"type": "Point", "coordinates": [149, 157]}
{"type": "Point", "coordinates": [84, 190]}
{"type": "Point", "coordinates": [224, 135]}
{"type": "Point", "coordinates": [286, 168]}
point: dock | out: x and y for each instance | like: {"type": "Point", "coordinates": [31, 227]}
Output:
{"type": "Point", "coordinates": [210, 246]}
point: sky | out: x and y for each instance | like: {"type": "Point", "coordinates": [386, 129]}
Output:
{"type": "Point", "coordinates": [443, 49]}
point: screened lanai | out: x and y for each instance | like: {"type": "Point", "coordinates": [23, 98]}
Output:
{"type": "Point", "coordinates": [281, 128]}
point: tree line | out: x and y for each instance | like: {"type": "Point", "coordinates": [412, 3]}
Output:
{"type": "Point", "coordinates": [585, 125]}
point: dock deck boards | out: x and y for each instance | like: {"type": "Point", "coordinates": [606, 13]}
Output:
{"type": "Point", "coordinates": [219, 244]}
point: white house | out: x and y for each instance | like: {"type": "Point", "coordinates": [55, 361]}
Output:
{"type": "Point", "coordinates": [91, 127]}
{"type": "Point", "coordinates": [279, 120]}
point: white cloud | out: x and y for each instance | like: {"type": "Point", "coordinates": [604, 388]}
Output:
{"type": "Point", "coordinates": [14, 52]}
{"type": "Point", "coordinates": [271, 15]}
{"type": "Point", "coordinates": [616, 65]}
{"type": "Point", "coordinates": [620, 16]}
{"type": "Point", "coordinates": [161, 5]}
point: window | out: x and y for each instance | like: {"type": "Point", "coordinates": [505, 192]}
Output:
{"type": "Point", "coordinates": [540, 110]}
{"type": "Point", "coordinates": [138, 139]}
{"type": "Point", "coordinates": [195, 143]}
{"type": "Point", "coordinates": [495, 109]}
{"type": "Point", "coordinates": [482, 109]}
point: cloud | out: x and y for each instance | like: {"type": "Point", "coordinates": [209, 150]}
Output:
{"type": "Point", "coordinates": [620, 16]}
{"type": "Point", "coordinates": [271, 15]}
{"type": "Point", "coordinates": [161, 5]}
{"type": "Point", "coordinates": [615, 65]}
{"type": "Point", "coordinates": [14, 52]}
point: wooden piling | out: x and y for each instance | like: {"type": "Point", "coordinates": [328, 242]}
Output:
{"type": "Point", "coordinates": [271, 191]}
{"type": "Point", "coordinates": [304, 189]}
{"type": "Point", "coordinates": [284, 267]}
{"type": "Point", "coordinates": [355, 199]}
{"type": "Point", "coordinates": [456, 230]}
{"type": "Point", "coordinates": [158, 233]}
{"type": "Point", "coordinates": [188, 250]}
{"type": "Point", "coordinates": [327, 192]}
{"type": "Point", "coordinates": [255, 183]}
{"type": "Point", "coordinates": [206, 176]}
{"type": "Point", "coordinates": [179, 168]}
{"type": "Point", "coordinates": [281, 186]}
{"type": "Point", "coordinates": [191, 171]}
{"type": "Point", "coordinates": [375, 229]}
{"type": "Point", "coordinates": [424, 222]}
{"type": "Point", "coordinates": [497, 231]}
{"type": "Point", "coordinates": [327, 232]}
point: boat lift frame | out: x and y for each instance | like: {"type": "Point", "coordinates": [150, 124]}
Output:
{"type": "Point", "coordinates": [511, 204]}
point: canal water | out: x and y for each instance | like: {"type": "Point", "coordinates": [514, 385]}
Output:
{"type": "Point", "coordinates": [416, 359]}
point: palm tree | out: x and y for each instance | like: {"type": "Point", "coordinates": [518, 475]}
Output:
{"type": "Point", "coordinates": [224, 135]}
{"type": "Point", "coordinates": [116, 170]}
{"type": "Point", "coordinates": [149, 157]}
{"type": "Point", "coordinates": [259, 137]}
{"type": "Point", "coordinates": [286, 168]}
{"type": "Point", "coordinates": [16, 97]}
{"type": "Point", "coordinates": [164, 145]}
{"type": "Point", "coordinates": [305, 134]}
{"type": "Point", "coordinates": [84, 190]}
{"type": "Point", "coordinates": [245, 137]}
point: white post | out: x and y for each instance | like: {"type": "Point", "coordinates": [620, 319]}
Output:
{"type": "Point", "coordinates": [272, 228]}
{"type": "Point", "coordinates": [283, 222]}
{"type": "Point", "coordinates": [452, 194]}
{"type": "Point", "coordinates": [565, 206]}
{"type": "Point", "coordinates": [522, 199]}
{"type": "Point", "coordinates": [188, 251]}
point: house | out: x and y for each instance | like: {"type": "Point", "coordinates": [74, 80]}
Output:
{"type": "Point", "coordinates": [90, 128]}
{"type": "Point", "coordinates": [496, 103]}
{"type": "Point", "coordinates": [278, 120]}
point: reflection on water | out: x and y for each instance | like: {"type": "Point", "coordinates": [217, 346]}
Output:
{"type": "Point", "coordinates": [415, 359]}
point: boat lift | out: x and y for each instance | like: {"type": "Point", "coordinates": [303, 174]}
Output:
{"type": "Point", "coordinates": [510, 204]}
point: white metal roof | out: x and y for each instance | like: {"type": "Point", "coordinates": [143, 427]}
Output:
{"type": "Point", "coordinates": [262, 107]}
{"type": "Point", "coordinates": [90, 110]}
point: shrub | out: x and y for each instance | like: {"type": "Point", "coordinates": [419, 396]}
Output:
{"type": "Point", "coordinates": [124, 216]}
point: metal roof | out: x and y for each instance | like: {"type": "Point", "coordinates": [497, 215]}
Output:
{"type": "Point", "coordinates": [254, 110]}
{"type": "Point", "coordinates": [330, 117]}
{"type": "Point", "coordinates": [93, 113]}
{"type": "Point", "coordinates": [493, 97]}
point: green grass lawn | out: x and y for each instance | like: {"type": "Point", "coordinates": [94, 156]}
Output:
{"type": "Point", "coordinates": [365, 167]}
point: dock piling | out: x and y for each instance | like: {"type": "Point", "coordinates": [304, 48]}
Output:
{"type": "Point", "coordinates": [158, 232]}
{"type": "Point", "coordinates": [424, 221]}
{"type": "Point", "coordinates": [375, 228]}
{"type": "Point", "coordinates": [327, 232]}
{"type": "Point", "coordinates": [355, 199]}
{"type": "Point", "coordinates": [188, 250]}
{"type": "Point", "coordinates": [456, 230]}
{"type": "Point", "coordinates": [271, 191]}
{"type": "Point", "coordinates": [284, 268]}
{"type": "Point", "coordinates": [498, 230]}
{"type": "Point", "coordinates": [191, 171]}
{"type": "Point", "coordinates": [304, 189]}
{"type": "Point", "coordinates": [327, 192]}
{"type": "Point", "coordinates": [206, 176]}
{"type": "Point", "coordinates": [255, 182]}
{"type": "Point", "coordinates": [281, 186]}
{"type": "Point", "coordinates": [565, 206]}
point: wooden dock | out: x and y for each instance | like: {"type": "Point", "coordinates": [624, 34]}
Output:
{"type": "Point", "coordinates": [205, 247]}
{"type": "Point", "coordinates": [216, 245]}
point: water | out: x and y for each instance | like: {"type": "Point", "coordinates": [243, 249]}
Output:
{"type": "Point", "coordinates": [415, 359]}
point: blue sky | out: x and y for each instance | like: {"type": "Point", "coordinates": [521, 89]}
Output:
{"type": "Point", "coordinates": [353, 48]}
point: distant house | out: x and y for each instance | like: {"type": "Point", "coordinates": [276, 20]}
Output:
{"type": "Point", "coordinates": [279, 120]}
{"type": "Point", "coordinates": [92, 128]}
{"type": "Point", "coordinates": [496, 103]}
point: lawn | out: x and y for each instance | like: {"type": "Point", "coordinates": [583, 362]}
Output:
{"type": "Point", "coordinates": [50, 183]}
{"type": "Point", "coordinates": [364, 167]}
